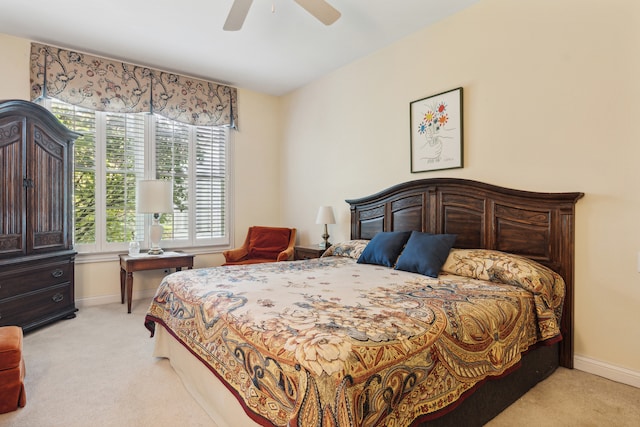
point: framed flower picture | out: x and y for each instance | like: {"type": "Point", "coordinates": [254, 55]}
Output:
{"type": "Point", "coordinates": [436, 132]}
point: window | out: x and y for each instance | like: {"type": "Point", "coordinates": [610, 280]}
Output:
{"type": "Point", "coordinates": [117, 149]}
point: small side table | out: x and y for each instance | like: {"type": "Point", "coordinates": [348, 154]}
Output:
{"type": "Point", "coordinates": [307, 252]}
{"type": "Point", "coordinates": [129, 264]}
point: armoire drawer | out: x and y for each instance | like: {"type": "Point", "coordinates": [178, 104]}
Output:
{"type": "Point", "coordinates": [24, 279]}
{"type": "Point", "coordinates": [35, 305]}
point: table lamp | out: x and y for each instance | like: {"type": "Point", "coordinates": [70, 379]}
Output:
{"type": "Point", "coordinates": [325, 216]}
{"type": "Point", "coordinates": [155, 197]}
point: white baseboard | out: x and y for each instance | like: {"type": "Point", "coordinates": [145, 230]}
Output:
{"type": "Point", "coordinates": [110, 299]}
{"type": "Point", "coordinates": [605, 370]}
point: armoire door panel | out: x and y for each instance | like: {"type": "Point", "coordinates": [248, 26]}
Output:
{"type": "Point", "coordinates": [12, 186]}
{"type": "Point", "coordinates": [47, 196]}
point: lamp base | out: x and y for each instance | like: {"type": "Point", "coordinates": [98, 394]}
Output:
{"type": "Point", "coordinates": [325, 237]}
{"type": "Point", "coordinates": [155, 234]}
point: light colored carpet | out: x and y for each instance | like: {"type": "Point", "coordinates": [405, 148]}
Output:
{"type": "Point", "coordinates": [98, 369]}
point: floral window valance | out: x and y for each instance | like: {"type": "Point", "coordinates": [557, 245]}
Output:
{"type": "Point", "coordinates": [106, 85]}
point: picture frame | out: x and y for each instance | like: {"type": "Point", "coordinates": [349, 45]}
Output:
{"type": "Point", "coordinates": [436, 132]}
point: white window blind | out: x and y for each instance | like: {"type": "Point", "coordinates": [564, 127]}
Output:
{"type": "Point", "coordinates": [210, 188]}
{"type": "Point", "coordinates": [84, 173]}
{"type": "Point", "coordinates": [124, 165]}
{"type": "Point", "coordinates": [172, 163]}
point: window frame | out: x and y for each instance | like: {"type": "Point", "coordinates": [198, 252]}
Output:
{"type": "Point", "coordinates": [103, 250]}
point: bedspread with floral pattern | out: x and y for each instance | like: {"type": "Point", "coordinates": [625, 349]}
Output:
{"type": "Point", "coordinates": [329, 342]}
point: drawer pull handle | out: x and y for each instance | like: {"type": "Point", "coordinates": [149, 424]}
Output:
{"type": "Point", "coordinates": [58, 297]}
{"type": "Point", "coordinates": [57, 273]}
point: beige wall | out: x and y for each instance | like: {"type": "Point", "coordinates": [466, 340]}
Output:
{"type": "Point", "coordinates": [551, 101]}
{"type": "Point", "coordinates": [257, 171]}
{"type": "Point", "coordinates": [14, 84]}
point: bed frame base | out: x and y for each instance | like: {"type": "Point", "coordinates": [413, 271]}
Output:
{"type": "Point", "coordinates": [495, 394]}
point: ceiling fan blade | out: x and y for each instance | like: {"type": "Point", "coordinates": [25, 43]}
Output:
{"type": "Point", "coordinates": [322, 10]}
{"type": "Point", "coordinates": [237, 15]}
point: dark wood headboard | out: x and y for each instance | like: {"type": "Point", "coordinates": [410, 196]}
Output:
{"type": "Point", "coordinates": [539, 226]}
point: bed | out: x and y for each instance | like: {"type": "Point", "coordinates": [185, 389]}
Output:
{"type": "Point", "coordinates": [365, 336]}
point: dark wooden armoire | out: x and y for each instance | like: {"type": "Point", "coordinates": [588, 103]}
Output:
{"type": "Point", "coordinates": [36, 216]}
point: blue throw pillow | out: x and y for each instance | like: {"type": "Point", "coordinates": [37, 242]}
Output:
{"type": "Point", "coordinates": [384, 248]}
{"type": "Point", "coordinates": [425, 253]}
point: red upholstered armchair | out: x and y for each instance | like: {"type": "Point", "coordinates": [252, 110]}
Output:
{"type": "Point", "coordinates": [263, 244]}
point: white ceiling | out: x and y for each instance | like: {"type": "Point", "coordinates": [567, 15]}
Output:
{"type": "Point", "coordinates": [274, 52]}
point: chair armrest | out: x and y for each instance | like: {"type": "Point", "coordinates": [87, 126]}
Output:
{"type": "Point", "coordinates": [286, 255]}
{"type": "Point", "coordinates": [238, 254]}
{"type": "Point", "coordinates": [235, 255]}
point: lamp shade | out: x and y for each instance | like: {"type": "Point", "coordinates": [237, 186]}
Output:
{"type": "Point", "coordinates": [155, 196]}
{"type": "Point", "coordinates": [325, 215]}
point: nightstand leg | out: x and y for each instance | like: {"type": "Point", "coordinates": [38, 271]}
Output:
{"type": "Point", "coordinates": [122, 278]}
{"type": "Point", "coordinates": [129, 290]}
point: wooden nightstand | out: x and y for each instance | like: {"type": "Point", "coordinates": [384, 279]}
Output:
{"type": "Point", "coordinates": [129, 264]}
{"type": "Point", "coordinates": [307, 252]}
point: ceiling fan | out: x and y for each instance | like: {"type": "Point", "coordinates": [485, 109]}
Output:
{"type": "Point", "coordinates": [320, 9]}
